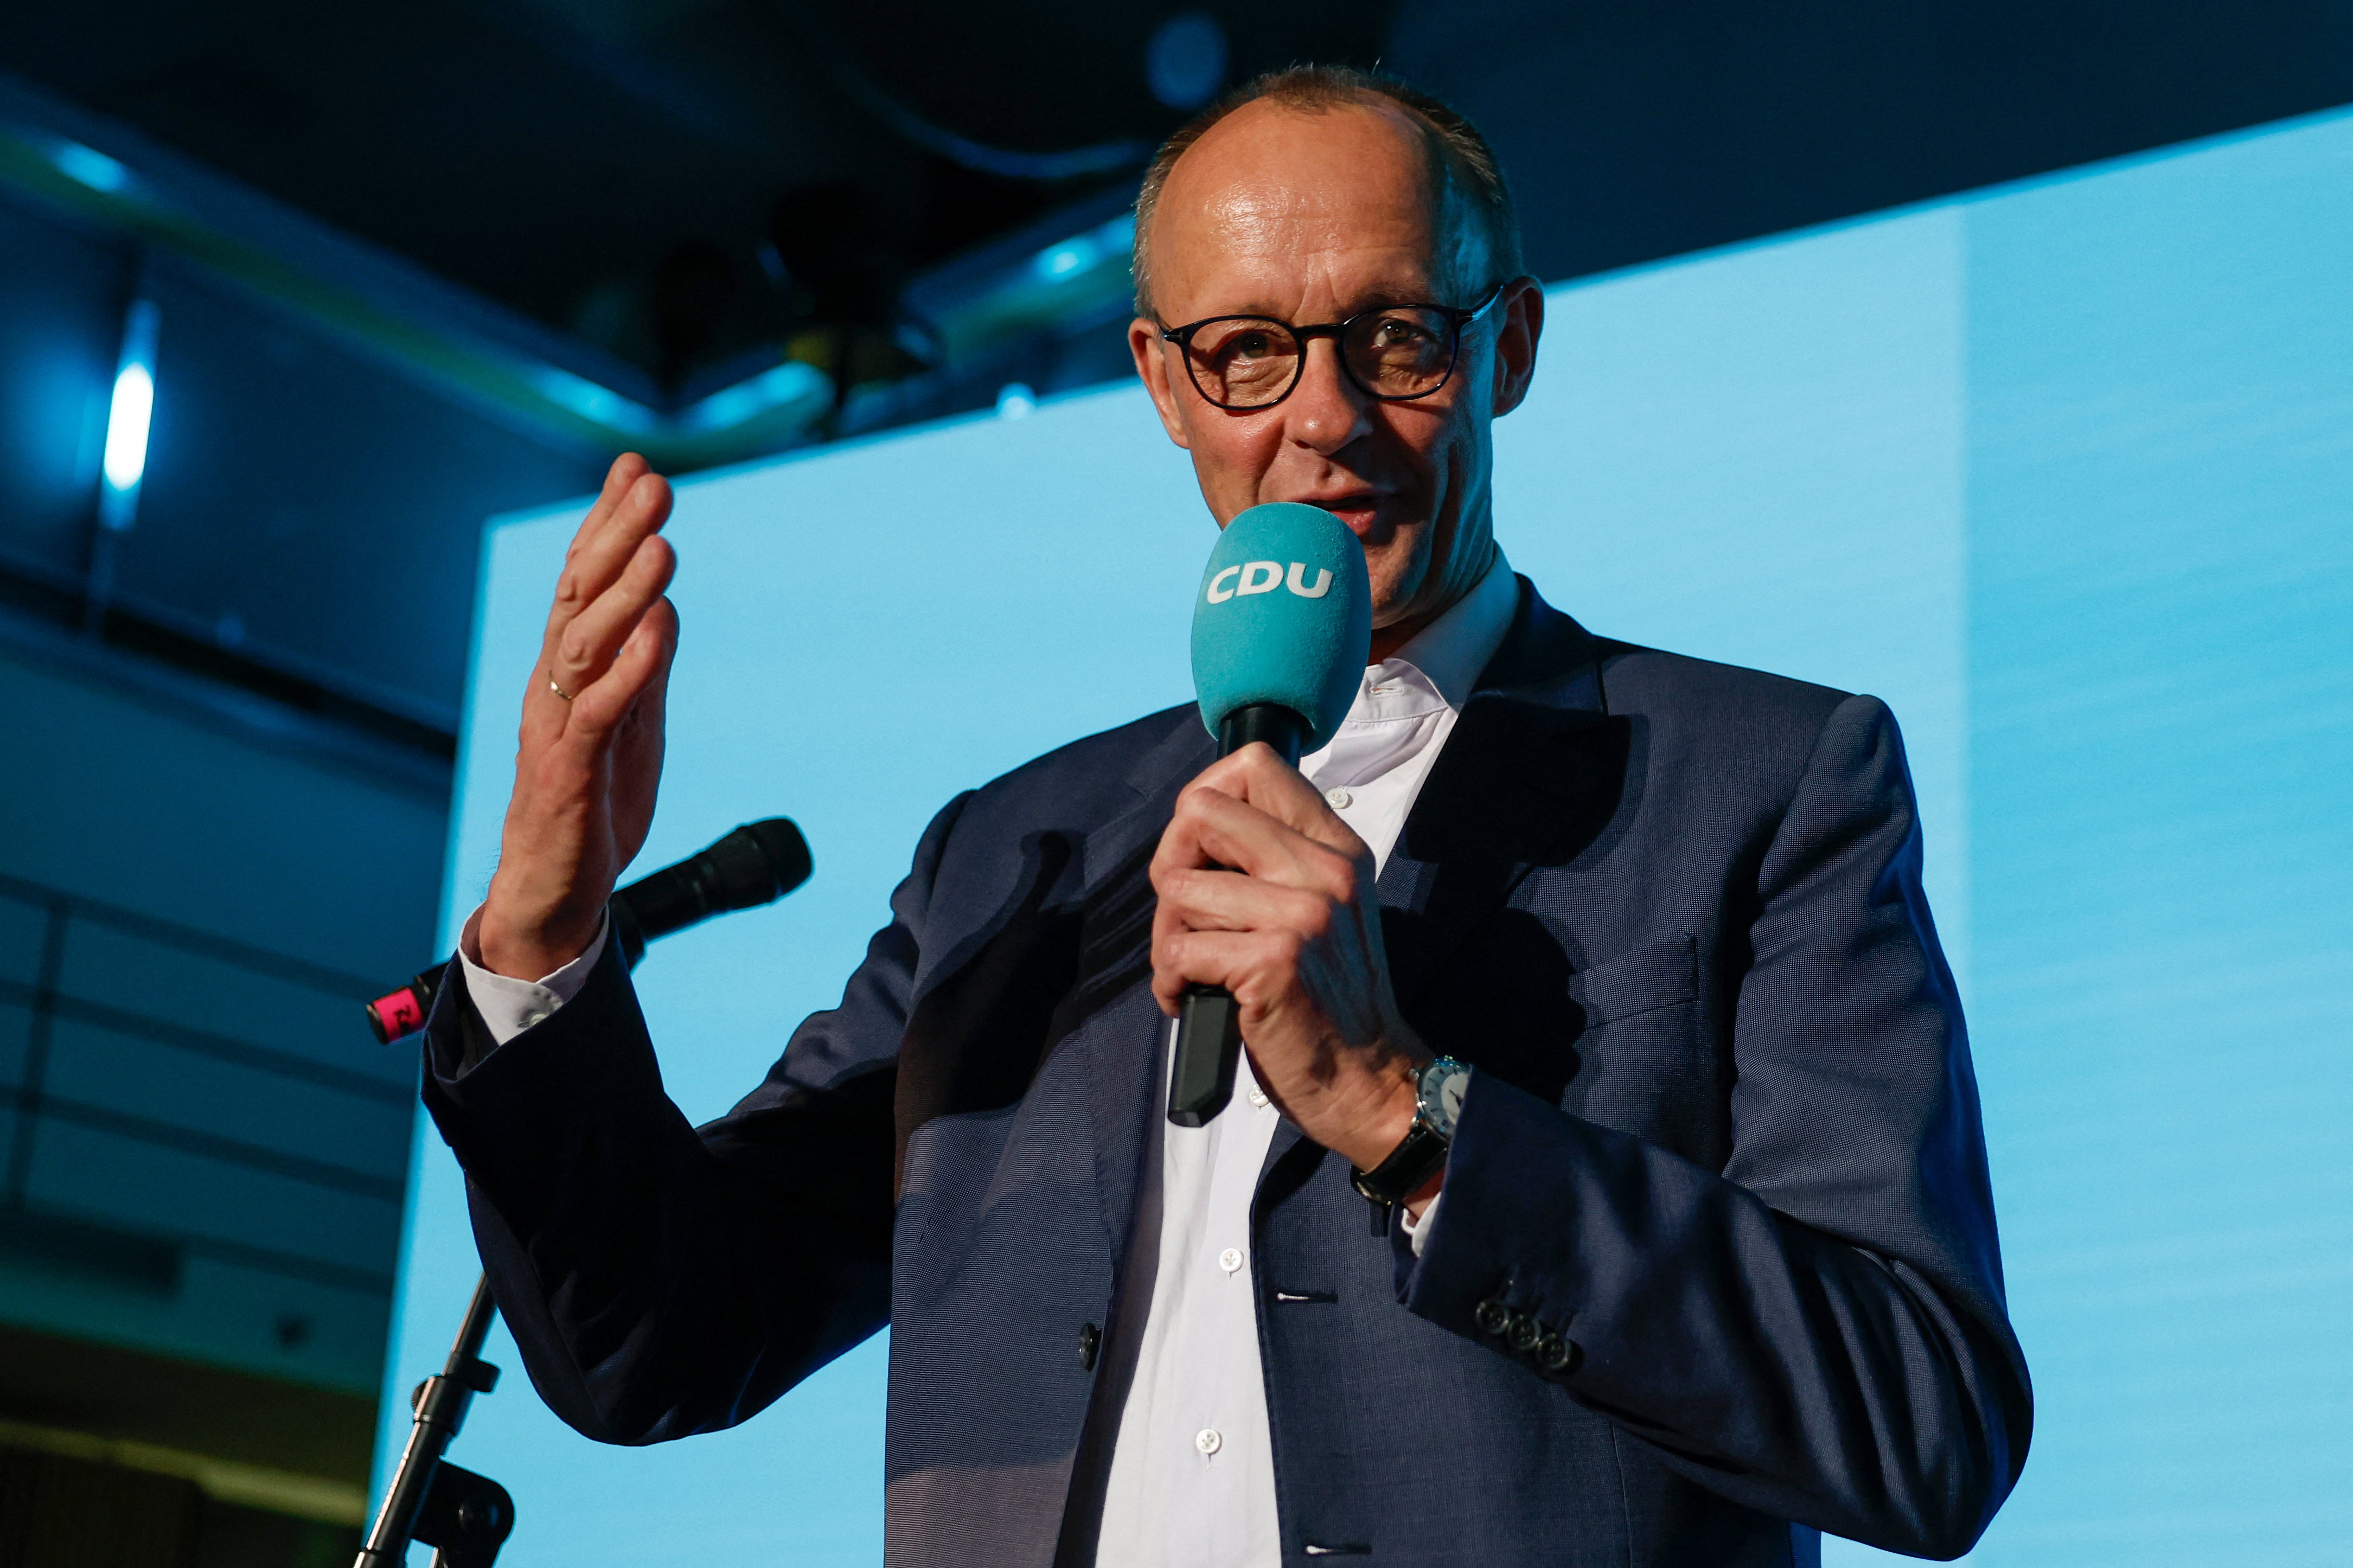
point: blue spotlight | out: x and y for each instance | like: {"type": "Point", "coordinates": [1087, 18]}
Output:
{"type": "Point", "coordinates": [130, 417]}
{"type": "Point", "coordinates": [1059, 261]}
{"type": "Point", "coordinates": [126, 426]}
{"type": "Point", "coordinates": [1185, 63]}
{"type": "Point", "coordinates": [88, 167]}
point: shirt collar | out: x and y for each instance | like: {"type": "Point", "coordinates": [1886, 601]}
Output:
{"type": "Point", "coordinates": [1448, 653]}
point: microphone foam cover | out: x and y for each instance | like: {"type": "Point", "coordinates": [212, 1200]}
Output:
{"type": "Point", "coordinates": [1284, 616]}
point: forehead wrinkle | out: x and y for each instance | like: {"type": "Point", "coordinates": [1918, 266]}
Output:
{"type": "Point", "coordinates": [1250, 232]}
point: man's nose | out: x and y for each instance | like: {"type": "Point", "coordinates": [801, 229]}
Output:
{"type": "Point", "coordinates": [1327, 409]}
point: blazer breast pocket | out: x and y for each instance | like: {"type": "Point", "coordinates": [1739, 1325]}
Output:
{"type": "Point", "coordinates": [1639, 1067]}
{"type": "Point", "coordinates": [1662, 974]}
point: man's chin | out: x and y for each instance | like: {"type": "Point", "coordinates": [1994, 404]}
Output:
{"type": "Point", "coordinates": [1396, 604]}
{"type": "Point", "coordinates": [1399, 572]}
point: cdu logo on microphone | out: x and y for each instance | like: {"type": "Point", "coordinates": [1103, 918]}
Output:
{"type": "Point", "coordinates": [1263, 576]}
{"type": "Point", "coordinates": [1282, 617]}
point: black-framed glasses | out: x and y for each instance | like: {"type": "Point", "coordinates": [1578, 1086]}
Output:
{"type": "Point", "coordinates": [1393, 352]}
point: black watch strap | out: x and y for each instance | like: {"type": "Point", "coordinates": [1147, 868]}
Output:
{"type": "Point", "coordinates": [1409, 1164]}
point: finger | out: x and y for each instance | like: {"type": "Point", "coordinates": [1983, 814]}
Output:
{"type": "Point", "coordinates": [1213, 834]}
{"type": "Point", "coordinates": [642, 508]}
{"type": "Point", "coordinates": [1227, 900]}
{"type": "Point", "coordinates": [1257, 778]}
{"type": "Point", "coordinates": [1257, 775]}
{"type": "Point", "coordinates": [653, 709]}
{"type": "Point", "coordinates": [643, 662]}
{"type": "Point", "coordinates": [638, 746]}
{"type": "Point", "coordinates": [1277, 877]}
{"type": "Point", "coordinates": [588, 642]}
{"type": "Point", "coordinates": [1213, 828]}
{"type": "Point", "coordinates": [1172, 915]}
{"type": "Point", "coordinates": [600, 556]}
{"type": "Point", "coordinates": [1200, 901]}
{"type": "Point", "coordinates": [618, 480]}
{"type": "Point", "coordinates": [1238, 961]}
{"type": "Point", "coordinates": [640, 511]}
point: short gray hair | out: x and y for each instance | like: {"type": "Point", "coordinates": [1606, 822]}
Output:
{"type": "Point", "coordinates": [1468, 164]}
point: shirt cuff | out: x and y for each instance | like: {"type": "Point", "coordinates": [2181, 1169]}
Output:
{"type": "Point", "coordinates": [506, 1007]}
{"type": "Point", "coordinates": [1416, 1231]}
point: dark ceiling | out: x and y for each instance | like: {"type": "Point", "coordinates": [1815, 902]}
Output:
{"type": "Point", "coordinates": [677, 181]}
{"type": "Point", "coordinates": [697, 185]}
{"type": "Point", "coordinates": [684, 181]}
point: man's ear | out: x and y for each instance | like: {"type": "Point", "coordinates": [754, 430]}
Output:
{"type": "Point", "coordinates": [1523, 307]}
{"type": "Point", "coordinates": [1143, 342]}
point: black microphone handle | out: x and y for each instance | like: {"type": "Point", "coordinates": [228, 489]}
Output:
{"type": "Point", "coordinates": [1209, 1020]}
{"type": "Point", "coordinates": [757, 864]}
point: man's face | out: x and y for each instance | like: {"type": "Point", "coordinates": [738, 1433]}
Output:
{"type": "Point", "coordinates": [1312, 218]}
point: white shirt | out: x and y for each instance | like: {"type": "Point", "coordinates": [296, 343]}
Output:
{"type": "Point", "coordinates": [1192, 1471]}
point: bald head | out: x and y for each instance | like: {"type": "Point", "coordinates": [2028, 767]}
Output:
{"type": "Point", "coordinates": [1276, 191]}
{"type": "Point", "coordinates": [1292, 125]}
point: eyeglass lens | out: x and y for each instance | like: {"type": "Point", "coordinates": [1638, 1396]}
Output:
{"type": "Point", "coordinates": [1248, 361]}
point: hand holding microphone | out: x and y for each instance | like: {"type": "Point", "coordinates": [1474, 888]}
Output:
{"type": "Point", "coordinates": [1267, 928]}
{"type": "Point", "coordinates": [589, 760]}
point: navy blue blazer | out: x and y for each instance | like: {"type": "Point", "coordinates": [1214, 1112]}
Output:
{"type": "Point", "coordinates": [1723, 1137]}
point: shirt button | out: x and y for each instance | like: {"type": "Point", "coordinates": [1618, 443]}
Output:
{"type": "Point", "coordinates": [1230, 1259]}
{"type": "Point", "coordinates": [1258, 1098]}
{"type": "Point", "coordinates": [1208, 1441]}
{"type": "Point", "coordinates": [1338, 799]}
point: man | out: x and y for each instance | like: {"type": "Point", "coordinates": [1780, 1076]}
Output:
{"type": "Point", "coordinates": [1606, 973]}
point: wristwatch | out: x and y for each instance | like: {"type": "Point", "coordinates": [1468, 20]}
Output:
{"type": "Point", "coordinates": [1438, 1106]}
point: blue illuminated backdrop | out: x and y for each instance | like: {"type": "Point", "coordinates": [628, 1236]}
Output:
{"type": "Point", "coordinates": [2063, 472]}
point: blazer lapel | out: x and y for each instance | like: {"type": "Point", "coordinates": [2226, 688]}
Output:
{"type": "Point", "coordinates": [1519, 785]}
{"type": "Point", "coordinates": [1169, 764]}
{"type": "Point", "coordinates": [1115, 953]}
{"type": "Point", "coordinates": [1533, 768]}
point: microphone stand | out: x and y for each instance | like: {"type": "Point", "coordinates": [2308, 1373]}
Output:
{"type": "Point", "coordinates": [466, 1517]}
{"type": "Point", "coordinates": [463, 1516]}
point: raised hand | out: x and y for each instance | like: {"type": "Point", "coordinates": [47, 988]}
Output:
{"type": "Point", "coordinates": [1264, 891]}
{"type": "Point", "coordinates": [588, 763]}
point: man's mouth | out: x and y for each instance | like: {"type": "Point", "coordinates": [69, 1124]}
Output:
{"type": "Point", "coordinates": [1360, 510]}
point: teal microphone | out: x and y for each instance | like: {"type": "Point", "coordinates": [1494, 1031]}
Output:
{"type": "Point", "coordinates": [1281, 627]}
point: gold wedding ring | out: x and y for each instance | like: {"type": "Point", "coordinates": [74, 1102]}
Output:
{"type": "Point", "coordinates": [557, 689]}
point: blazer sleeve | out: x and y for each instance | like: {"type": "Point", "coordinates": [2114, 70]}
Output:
{"type": "Point", "coordinates": [1818, 1329]}
{"type": "Point", "coordinates": [662, 1279]}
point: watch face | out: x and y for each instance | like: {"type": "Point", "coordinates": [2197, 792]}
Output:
{"type": "Point", "coordinates": [1443, 1084]}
